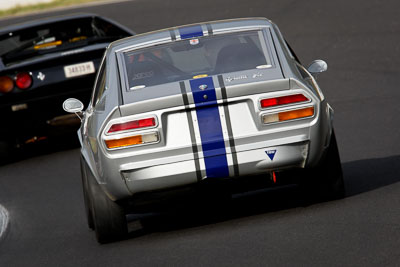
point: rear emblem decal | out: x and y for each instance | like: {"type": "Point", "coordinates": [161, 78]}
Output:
{"type": "Point", "coordinates": [41, 76]}
{"type": "Point", "coordinates": [240, 77]}
{"type": "Point", "coordinates": [203, 87]}
{"type": "Point", "coordinates": [271, 154]}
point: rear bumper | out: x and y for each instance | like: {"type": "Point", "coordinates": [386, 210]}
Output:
{"type": "Point", "coordinates": [39, 117]}
{"type": "Point", "coordinates": [251, 162]}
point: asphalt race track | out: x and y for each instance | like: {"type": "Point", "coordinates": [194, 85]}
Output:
{"type": "Point", "coordinates": [360, 40]}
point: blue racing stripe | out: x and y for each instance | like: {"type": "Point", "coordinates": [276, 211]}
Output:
{"type": "Point", "coordinates": [191, 31]}
{"type": "Point", "coordinates": [208, 117]}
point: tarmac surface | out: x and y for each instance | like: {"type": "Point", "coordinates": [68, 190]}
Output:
{"type": "Point", "coordinates": [360, 41]}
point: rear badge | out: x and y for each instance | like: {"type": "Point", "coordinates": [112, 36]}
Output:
{"type": "Point", "coordinates": [257, 75]}
{"type": "Point", "coordinates": [234, 78]}
{"type": "Point", "coordinates": [203, 87]}
{"type": "Point", "coordinates": [271, 154]}
{"type": "Point", "coordinates": [41, 76]}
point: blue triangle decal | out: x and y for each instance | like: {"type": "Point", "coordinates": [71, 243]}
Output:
{"type": "Point", "coordinates": [271, 154]}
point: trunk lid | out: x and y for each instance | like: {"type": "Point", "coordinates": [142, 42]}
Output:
{"type": "Point", "coordinates": [197, 124]}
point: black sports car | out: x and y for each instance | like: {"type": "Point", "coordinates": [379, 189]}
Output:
{"type": "Point", "coordinates": [43, 62]}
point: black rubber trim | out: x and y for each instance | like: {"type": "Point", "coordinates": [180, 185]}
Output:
{"type": "Point", "coordinates": [209, 29]}
{"type": "Point", "coordinates": [120, 96]}
{"type": "Point", "coordinates": [173, 36]}
{"type": "Point", "coordinates": [229, 126]}
{"type": "Point", "coordinates": [191, 129]}
{"type": "Point", "coordinates": [277, 55]}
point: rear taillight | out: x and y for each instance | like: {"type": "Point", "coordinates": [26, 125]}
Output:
{"type": "Point", "coordinates": [6, 84]}
{"type": "Point", "coordinates": [288, 115]}
{"type": "Point", "coordinates": [283, 100]}
{"type": "Point", "coordinates": [139, 139]}
{"type": "Point", "coordinates": [131, 125]}
{"type": "Point", "coordinates": [114, 140]}
{"type": "Point", "coordinates": [23, 80]}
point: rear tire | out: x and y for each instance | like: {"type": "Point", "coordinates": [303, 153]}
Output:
{"type": "Point", "coordinates": [5, 152]}
{"type": "Point", "coordinates": [108, 217]}
{"type": "Point", "coordinates": [325, 182]}
{"type": "Point", "coordinates": [88, 210]}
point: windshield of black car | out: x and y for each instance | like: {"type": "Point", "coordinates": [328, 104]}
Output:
{"type": "Point", "coordinates": [51, 37]}
{"type": "Point", "coordinates": [196, 57]}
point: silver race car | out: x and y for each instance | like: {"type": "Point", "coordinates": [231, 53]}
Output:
{"type": "Point", "coordinates": [223, 100]}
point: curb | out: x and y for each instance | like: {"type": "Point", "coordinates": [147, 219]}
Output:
{"type": "Point", "coordinates": [3, 220]}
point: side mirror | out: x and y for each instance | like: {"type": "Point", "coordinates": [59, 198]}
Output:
{"type": "Point", "coordinates": [72, 105]}
{"type": "Point", "coordinates": [317, 66]}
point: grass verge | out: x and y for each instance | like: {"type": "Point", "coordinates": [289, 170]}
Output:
{"type": "Point", "coordinates": [41, 6]}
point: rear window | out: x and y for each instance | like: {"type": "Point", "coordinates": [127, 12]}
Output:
{"type": "Point", "coordinates": [58, 36]}
{"type": "Point", "coordinates": [196, 57]}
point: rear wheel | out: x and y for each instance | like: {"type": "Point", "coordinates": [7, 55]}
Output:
{"type": "Point", "coordinates": [5, 152]}
{"type": "Point", "coordinates": [108, 217]}
{"type": "Point", "coordinates": [325, 182]}
{"type": "Point", "coordinates": [88, 210]}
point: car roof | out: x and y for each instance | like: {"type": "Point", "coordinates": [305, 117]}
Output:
{"type": "Point", "coordinates": [215, 26]}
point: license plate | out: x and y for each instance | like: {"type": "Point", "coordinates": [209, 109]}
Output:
{"type": "Point", "coordinates": [79, 69]}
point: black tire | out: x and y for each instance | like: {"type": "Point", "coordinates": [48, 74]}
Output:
{"type": "Point", "coordinates": [88, 210]}
{"type": "Point", "coordinates": [108, 217]}
{"type": "Point", "coordinates": [325, 182]}
{"type": "Point", "coordinates": [5, 152]}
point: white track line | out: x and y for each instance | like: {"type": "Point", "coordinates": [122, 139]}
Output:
{"type": "Point", "coordinates": [3, 220]}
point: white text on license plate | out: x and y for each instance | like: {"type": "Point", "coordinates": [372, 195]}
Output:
{"type": "Point", "coordinates": [79, 69]}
